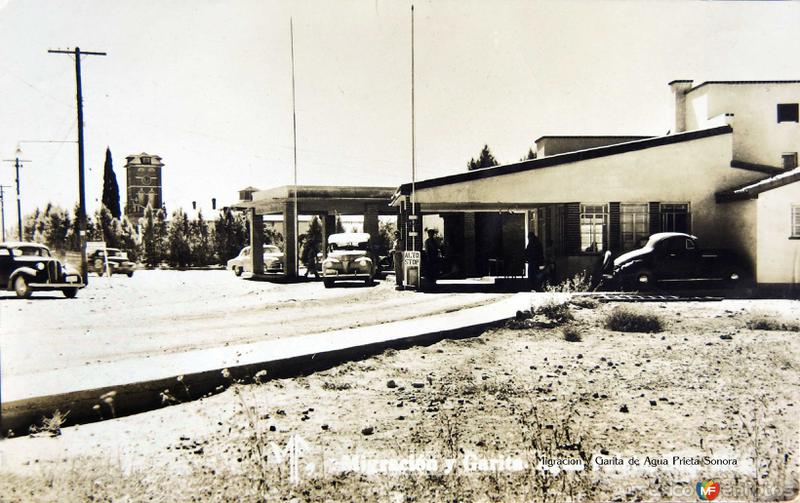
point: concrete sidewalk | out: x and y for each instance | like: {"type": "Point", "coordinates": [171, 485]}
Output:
{"type": "Point", "coordinates": [101, 391]}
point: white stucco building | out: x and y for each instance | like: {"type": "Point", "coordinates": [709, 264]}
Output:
{"type": "Point", "coordinates": [726, 172]}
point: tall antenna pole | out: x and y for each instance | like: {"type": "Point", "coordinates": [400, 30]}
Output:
{"type": "Point", "coordinates": [413, 142]}
{"type": "Point", "coordinates": [81, 180]}
{"type": "Point", "coordinates": [294, 145]}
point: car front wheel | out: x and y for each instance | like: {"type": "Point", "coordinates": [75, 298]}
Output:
{"type": "Point", "coordinates": [21, 287]}
{"type": "Point", "coordinates": [70, 293]}
{"type": "Point", "coordinates": [237, 271]}
{"type": "Point", "coordinates": [328, 283]}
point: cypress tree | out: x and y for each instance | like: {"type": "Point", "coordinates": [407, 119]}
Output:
{"type": "Point", "coordinates": [110, 187]}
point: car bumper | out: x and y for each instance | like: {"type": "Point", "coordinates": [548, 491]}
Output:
{"type": "Point", "coordinates": [56, 286]}
{"type": "Point", "coordinates": [346, 276]}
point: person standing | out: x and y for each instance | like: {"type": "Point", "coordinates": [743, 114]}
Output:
{"type": "Point", "coordinates": [534, 256]}
{"type": "Point", "coordinates": [432, 256]}
{"type": "Point", "coordinates": [397, 259]}
{"type": "Point", "coordinates": [310, 258]}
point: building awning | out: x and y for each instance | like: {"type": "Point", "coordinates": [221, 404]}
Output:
{"type": "Point", "coordinates": [559, 159]}
{"type": "Point", "coordinates": [752, 190]}
{"type": "Point", "coordinates": [319, 199]}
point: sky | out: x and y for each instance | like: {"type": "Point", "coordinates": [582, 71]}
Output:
{"type": "Point", "coordinates": [207, 85]}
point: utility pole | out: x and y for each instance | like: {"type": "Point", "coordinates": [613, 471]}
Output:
{"type": "Point", "coordinates": [18, 164]}
{"type": "Point", "coordinates": [81, 185]}
{"type": "Point", "coordinates": [3, 208]}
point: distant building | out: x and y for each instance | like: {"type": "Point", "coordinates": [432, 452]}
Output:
{"type": "Point", "coordinates": [144, 184]}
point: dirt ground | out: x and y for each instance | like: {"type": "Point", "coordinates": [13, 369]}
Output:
{"type": "Point", "coordinates": [512, 415]}
{"type": "Point", "coordinates": [158, 312]}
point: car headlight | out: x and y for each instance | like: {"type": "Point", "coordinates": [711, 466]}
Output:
{"type": "Point", "coordinates": [40, 266]}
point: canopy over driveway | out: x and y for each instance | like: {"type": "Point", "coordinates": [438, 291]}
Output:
{"type": "Point", "coordinates": [323, 201]}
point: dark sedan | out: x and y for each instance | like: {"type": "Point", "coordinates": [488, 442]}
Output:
{"type": "Point", "coordinates": [673, 258]}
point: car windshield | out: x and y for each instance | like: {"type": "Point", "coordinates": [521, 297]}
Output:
{"type": "Point", "coordinates": [364, 246]}
{"type": "Point", "coordinates": [271, 249]}
{"type": "Point", "coordinates": [31, 251]}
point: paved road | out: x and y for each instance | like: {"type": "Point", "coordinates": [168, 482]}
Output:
{"type": "Point", "coordinates": [158, 312]}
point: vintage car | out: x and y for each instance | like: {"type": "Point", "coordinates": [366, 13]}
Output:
{"type": "Point", "coordinates": [273, 260]}
{"type": "Point", "coordinates": [114, 259]}
{"type": "Point", "coordinates": [673, 258]}
{"type": "Point", "coordinates": [348, 258]}
{"type": "Point", "coordinates": [29, 267]}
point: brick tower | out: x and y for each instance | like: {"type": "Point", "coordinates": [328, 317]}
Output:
{"type": "Point", "coordinates": [144, 185]}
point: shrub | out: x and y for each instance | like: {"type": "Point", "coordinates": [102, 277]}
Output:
{"type": "Point", "coordinates": [51, 426]}
{"type": "Point", "coordinates": [584, 301]}
{"type": "Point", "coordinates": [581, 282]}
{"type": "Point", "coordinates": [771, 322]}
{"type": "Point", "coordinates": [572, 334]}
{"type": "Point", "coordinates": [555, 310]}
{"type": "Point", "coordinates": [625, 319]}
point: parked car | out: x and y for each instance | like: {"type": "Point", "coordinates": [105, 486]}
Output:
{"type": "Point", "coordinates": [273, 260]}
{"type": "Point", "coordinates": [116, 260]}
{"type": "Point", "coordinates": [28, 267]}
{"type": "Point", "coordinates": [348, 258]}
{"type": "Point", "coordinates": [673, 258]}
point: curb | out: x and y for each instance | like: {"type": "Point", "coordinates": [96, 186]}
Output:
{"type": "Point", "coordinates": [107, 402]}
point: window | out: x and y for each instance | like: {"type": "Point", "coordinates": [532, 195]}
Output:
{"type": "Point", "coordinates": [634, 223]}
{"type": "Point", "coordinates": [146, 160]}
{"type": "Point", "coordinates": [789, 160]}
{"type": "Point", "coordinates": [787, 112]}
{"type": "Point", "coordinates": [675, 217]}
{"type": "Point", "coordinates": [796, 221]}
{"type": "Point", "coordinates": [594, 220]}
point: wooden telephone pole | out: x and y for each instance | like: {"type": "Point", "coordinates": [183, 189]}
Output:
{"type": "Point", "coordinates": [77, 53]}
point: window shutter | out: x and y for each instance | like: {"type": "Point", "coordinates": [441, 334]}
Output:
{"type": "Point", "coordinates": [614, 228]}
{"type": "Point", "coordinates": [655, 217]}
{"type": "Point", "coordinates": [573, 228]}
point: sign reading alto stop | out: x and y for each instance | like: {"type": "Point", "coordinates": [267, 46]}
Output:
{"type": "Point", "coordinates": [411, 268]}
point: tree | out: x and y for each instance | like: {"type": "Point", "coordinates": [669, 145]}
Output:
{"type": "Point", "coordinates": [386, 235]}
{"type": "Point", "coordinates": [160, 235]}
{"type": "Point", "coordinates": [531, 155]}
{"type": "Point", "coordinates": [56, 227]}
{"type": "Point", "coordinates": [106, 228]}
{"type": "Point", "coordinates": [178, 240]}
{"type": "Point", "coordinates": [30, 223]}
{"type": "Point", "coordinates": [231, 235]}
{"type": "Point", "coordinates": [110, 187]}
{"type": "Point", "coordinates": [149, 245]}
{"type": "Point", "coordinates": [314, 232]}
{"type": "Point", "coordinates": [127, 238]}
{"type": "Point", "coordinates": [74, 230]}
{"type": "Point", "coordinates": [485, 160]}
{"type": "Point", "coordinates": [200, 241]}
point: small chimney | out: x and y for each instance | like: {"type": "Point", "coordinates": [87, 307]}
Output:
{"type": "Point", "coordinates": [679, 90]}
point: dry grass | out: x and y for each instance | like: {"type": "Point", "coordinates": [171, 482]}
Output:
{"type": "Point", "coordinates": [530, 394]}
{"type": "Point", "coordinates": [764, 321]}
{"type": "Point", "coordinates": [626, 319]}
{"type": "Point", "coordinates": [572, 333]}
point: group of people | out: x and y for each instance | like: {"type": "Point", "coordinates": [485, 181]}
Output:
{"type": "Point", "coordinates": [431, 258]}
{"type": "Point", "coordinates": [534, 256]}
